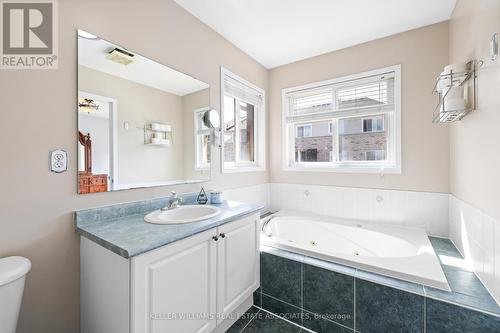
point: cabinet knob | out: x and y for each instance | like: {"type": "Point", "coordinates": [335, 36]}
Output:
{"type": "Point", "coordinates": [222, 235]}
{"type": "Point", "coordinates": [215, 238]}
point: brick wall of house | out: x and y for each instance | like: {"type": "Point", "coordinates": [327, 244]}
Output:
{"type": "Point", "coordinates": [356, 145]}
{"type": "Point", "coordinates": [323, 144]}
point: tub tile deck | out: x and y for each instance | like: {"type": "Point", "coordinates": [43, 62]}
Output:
{"type": "Point", "coordinates": [466, 288]}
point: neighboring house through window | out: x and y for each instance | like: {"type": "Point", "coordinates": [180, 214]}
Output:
{"type": "Point", "coordinates": [350, 124]}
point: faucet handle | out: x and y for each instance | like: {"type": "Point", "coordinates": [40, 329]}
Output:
{"type": "Point", "coordinates": [174, 194]}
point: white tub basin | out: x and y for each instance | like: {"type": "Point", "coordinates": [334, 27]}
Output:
{"type": "Point", "coordinates": [182, 214]}
{"type": "Point", "coordinates": [401, 252]}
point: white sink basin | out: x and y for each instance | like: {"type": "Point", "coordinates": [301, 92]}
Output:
{"type": "Point", "coordinates": [182, 214]}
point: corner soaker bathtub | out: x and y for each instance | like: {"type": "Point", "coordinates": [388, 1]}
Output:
{"type": "Point", "coordinates": [396, 251]}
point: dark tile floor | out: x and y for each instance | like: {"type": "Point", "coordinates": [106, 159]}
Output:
{"type": "Point", "coordinates": [258, 321]}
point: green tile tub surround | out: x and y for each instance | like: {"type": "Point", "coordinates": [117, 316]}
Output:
{"type": "Point", "coordinates": [329, 294]}
{"type": "Point", "coordinates": [257, 297]}
{"type": "Point", "coordinates": [390, 282]}
{"type": "Point", "coordinates": [443, 317]}
{"type": "Point", "coordinates": [385, 304]}
{"type": "Point", "coordinates": [382, 309]}
{"type": "Point", "coordinates": [281, 278]}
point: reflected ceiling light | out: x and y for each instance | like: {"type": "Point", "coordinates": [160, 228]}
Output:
{"type": "Point", "coordinates": [87, 105]}
{"type": "Point", "coordinates": [86, 35]}
{"type": "Point", "coordinates": [120, 56]}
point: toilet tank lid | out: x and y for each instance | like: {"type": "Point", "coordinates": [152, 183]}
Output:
{"type": "Point", "coordinates": [13, 268]}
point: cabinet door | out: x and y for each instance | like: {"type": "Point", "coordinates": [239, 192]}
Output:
{"type": "Point", "coordinates": [238, 269]}
{"type": "Point", "coordinates": [173, 287]}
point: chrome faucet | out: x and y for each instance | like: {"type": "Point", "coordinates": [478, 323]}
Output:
{"type": "Point", "coordinates": [265, 224]}
{"type": "Point", "coordinates": [174, 201]}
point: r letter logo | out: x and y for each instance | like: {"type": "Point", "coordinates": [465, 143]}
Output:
{"type": "Point", "coordinates": [29, 39]}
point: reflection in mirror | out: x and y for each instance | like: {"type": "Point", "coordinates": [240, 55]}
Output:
{"type": "Point", "coordinates": [140, 123]}
{"type": "Point", "coordinates": [211, 119]}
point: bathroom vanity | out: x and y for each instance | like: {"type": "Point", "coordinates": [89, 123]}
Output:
{"type": "Point", "coordinates": [139, 277]}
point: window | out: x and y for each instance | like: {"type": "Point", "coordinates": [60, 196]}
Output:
{"type": "Point", "coordinates": [243, 127]}
{"type": "Point", "coordinates": [373, 124]}
{"type": "Point", "coordinates": [349, 124]}
{"type": "Point", "coordinates": [375, 155]}
{"type": "Point", "coordinates": [202, 141]}
{"type": "Point", "coordinates": [304, 131]}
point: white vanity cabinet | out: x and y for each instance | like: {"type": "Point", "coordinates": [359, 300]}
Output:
{"type": "Point", "coordinates": [189, 286]}
{"type": "Point", "coordinates": [238, 263]}
{"type": "Point", "coordinates": [174, 282]}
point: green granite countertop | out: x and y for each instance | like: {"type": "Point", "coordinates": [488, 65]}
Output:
{"type": "Point", "coordinates": [122, 229]}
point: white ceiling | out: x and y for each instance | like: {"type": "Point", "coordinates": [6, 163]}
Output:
{"type": "Point", "coordinates": [92, 54]}
{"type": "Point", "coordinates": [277, 32]}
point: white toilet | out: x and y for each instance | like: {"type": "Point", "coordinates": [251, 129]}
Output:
{"type": "Point", "coordinates": [13, 272]}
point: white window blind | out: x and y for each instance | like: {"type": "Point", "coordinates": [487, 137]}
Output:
{"type": "Point", "coordinates": [240, 90]}
{"type": "Point", "coordinates": [376, 92]}
{"type": "Point", "coordinates": [365, 94]}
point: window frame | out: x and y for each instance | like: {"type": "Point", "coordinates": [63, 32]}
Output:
{"type": "Point", "coordinates": [394, 166]}
{"type": "Point", "coordinates": [259, 127]}
{"type": "Point", "coordinates": [198, 165]}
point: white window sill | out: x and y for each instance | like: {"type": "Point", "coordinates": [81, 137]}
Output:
{"type": "Point", "coordinates": [370, 169]}
{"type": "Point", "coordinates": [236, 169]}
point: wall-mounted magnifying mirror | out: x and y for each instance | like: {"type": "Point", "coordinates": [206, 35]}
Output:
{"type": "Point", "coordinates": [211, 119]}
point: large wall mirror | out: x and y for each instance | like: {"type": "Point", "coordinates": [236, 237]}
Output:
{"type": "Point", "coordinates": [140, 123]}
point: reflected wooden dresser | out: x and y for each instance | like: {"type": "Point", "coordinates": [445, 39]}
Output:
{"type": "Point", "coordinates": [90, 183]}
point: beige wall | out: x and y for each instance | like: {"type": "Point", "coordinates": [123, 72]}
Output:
{"type": "Point", "coordinates": [422, 53]}
{"type": "Point", "coordinates": [474, 152]}
{"type": "Point", "coordinates": [139, 105]}
{"type": "Point", "coordinates": [38, 114]}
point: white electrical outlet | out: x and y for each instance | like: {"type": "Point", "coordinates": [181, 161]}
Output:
{"type": "Point", "coordinates": [58, 161]}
